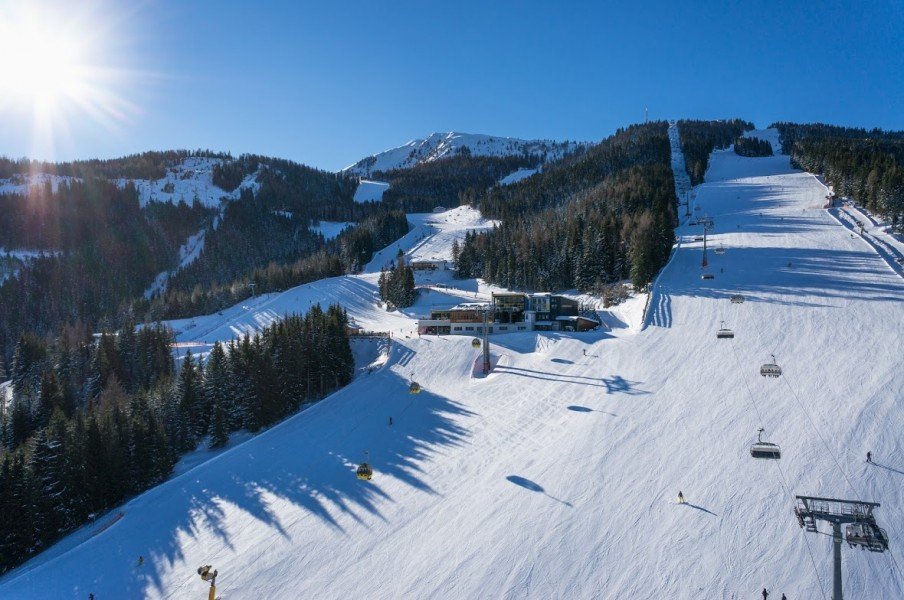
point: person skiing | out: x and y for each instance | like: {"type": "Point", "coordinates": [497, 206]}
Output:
{"type": "Point", "coordinates": [765, 594]}
{"type": "Point", "coordinates": [585, 351]}
{"type": "Point", "coordinates": [783, 597]}
{"type": "Point", "coordinates": [390, 421]}
{"type": "Point", "coordinates": [680, 497]}
{"type": "Point", "coordinates": [869, 457]}
{"type": "Point", "coordinates": [140, 560]}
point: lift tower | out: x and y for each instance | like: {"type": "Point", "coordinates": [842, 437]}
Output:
{"type": "Point", "coordinates": [861, 529]}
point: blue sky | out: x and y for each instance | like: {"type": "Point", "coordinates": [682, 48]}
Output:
{"type": "Point", "coordinates": [326, 83]}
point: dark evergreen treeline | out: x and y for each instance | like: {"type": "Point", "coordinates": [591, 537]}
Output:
{"type": "Point", "coordinates": [700, 138]}
{"type": "Point", "coordinates": [601, 217]}
{"type": "Point", "coordinates": [397, 285]}
{"type": "Point", "coordinates": [564, 180]}
{"type": "Point", "coordinates": [870, 170]}
{"type": "Point", "coordinates": [93, 423]}
{"type": "Point", "coordinates": [752, 147]}
{"type": "Point", "coordinates": [792, 132]}
{"type": "Point", "coordinates": [147, 165]}
{"type": "Point", "coordinates": [449, 181]}
{"type": "Point", "coordinates": [104, 250]}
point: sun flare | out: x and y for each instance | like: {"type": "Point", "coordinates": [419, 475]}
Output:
{"type": "Point", "coordinates": [55, 71]}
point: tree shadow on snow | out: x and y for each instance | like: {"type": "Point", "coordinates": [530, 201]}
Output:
{"type": "Point", "coordinates": [764, 274]}
{"type": "Point", "coordinates": [306, 463]}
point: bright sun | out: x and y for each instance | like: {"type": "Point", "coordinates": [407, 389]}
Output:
{"type": "Point", "coordinates": [52, 71]}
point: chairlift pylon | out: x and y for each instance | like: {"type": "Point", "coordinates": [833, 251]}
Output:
{"type": "Point", "coordinates": [771, 369]}
{"type": "Point", "coordinates": [763, 449]}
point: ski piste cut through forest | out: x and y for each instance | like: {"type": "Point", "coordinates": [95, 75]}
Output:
{"type": "Point", "coordinates": [616, 210]}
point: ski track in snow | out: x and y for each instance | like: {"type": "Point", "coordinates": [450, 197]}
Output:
{"type": "Point", "coordinates": [556, 475]}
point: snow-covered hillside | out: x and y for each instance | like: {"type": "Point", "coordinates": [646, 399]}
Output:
{"type": "Point", "coordinates": [19, 184]}
{"type": "Point", "coordinates": [556, 476]}
{"type": "Point", "coordinates": [439, 145]}
{"type": "Point", "coordinates": [370, 191]}
{"type": "Point", "coordinates": [190, 180]}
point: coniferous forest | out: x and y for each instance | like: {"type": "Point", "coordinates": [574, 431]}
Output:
{"type": "Point", "coordinates": [98, 249]}
{"type": "Point", "coordinates": [93, 423]}
{"type": "Point", "coordinates": [588, 220]}
{"type": "Point", "coordinates": [700, 138]}
{"type": "Point", "coordinates": [747, 146]}
{"type": "Point", "coordinates": [866, 165]}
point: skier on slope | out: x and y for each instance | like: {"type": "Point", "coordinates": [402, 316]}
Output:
{"type": "Point", "coordinates": [869, 457]}
{"type": "Point", "coordinates": [765, 594]}
{"type": "Point", "coordinates": [680, 497]}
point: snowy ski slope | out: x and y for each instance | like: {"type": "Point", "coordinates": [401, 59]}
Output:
{"type": "Point", "coordinates": [556, 476]}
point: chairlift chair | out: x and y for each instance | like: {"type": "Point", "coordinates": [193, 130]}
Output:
{"type": "Point", "coordinates": [771, 369]}
{"type": "Point", "coordinates": [763, 449]}
{"type": "Point", "coordinates": [414, 388]}
{"type": "Point", "coordinates": [720, 250]}
{"type": "Point", "coordinates": [737, 299]}
{"type": "Point", "coordinates": [707, 276]}
{"type": "Point", "coordinates": [866, 535]}
{"type": "Point", "coordinates": [698, 238]}
{"type": "Point", "coordinates": [475, 343]}
{"type": "Point", "coordinates": [724, 333]}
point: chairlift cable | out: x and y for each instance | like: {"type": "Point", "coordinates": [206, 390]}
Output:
{"type": "Point", "coordinates": [784, 480]}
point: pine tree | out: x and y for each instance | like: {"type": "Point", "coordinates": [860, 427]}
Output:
{"type": "Point", "coordinates": [218, 398]}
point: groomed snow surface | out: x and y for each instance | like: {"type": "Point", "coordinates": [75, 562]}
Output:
{"type": "Point", "coordinates": [557, 475]}
{"type": "Point", "coordinates": [370, 191]}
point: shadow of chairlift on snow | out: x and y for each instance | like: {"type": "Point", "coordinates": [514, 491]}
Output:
{"type": "Point", "coordinates": [535, 487]}
{"type": "Point", "coordinates": [585, 409]}
{"type": "Point", "coordinates": [619, 385]}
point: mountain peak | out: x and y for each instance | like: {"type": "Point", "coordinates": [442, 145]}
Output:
{"type": "Point", "coordinates": [444, 144]}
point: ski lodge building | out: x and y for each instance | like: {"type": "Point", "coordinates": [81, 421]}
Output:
{"type": "Point", "coordinates": [508, 312]}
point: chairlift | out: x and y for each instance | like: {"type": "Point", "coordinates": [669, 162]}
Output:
{"type": "Point", "coordinates": [414, 388]}
{"type": "Point", "coordinates": [720, 250]}
{"type": "Point", "coordinates": [364, 470]}
{"type": "Point", "coordinates": [475, 343]}
{"type": "Point", "coordinates": [707, 276]}
{"type": "Point", "coordinates": [698, 238]}
{"type": "Point", "coordinates": [737, 299]}
{"type": "Point", "coordinates": [866, 535]}
{"type": "Point", "coordinates": [763, 449]}
{"type": "Point", "coordinates": [724, 333]}
{"type": "Point", "coordinates": [771, 369]}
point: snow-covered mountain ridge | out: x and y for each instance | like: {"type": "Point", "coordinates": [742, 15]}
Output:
{"type": "Point", "coordinates": [189, 179]}
{"type": "Point", "coordinates": [441, 145]}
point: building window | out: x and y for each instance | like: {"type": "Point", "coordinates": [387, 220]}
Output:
{"type": "Point", "coordinates": [456, 329]}
{"type": "Point", "coordinates": [469, 329]}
